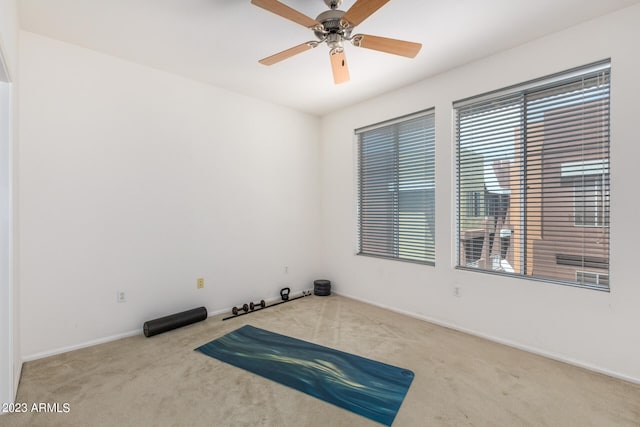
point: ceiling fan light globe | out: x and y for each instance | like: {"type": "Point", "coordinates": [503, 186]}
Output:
{"type": "Point", "coordinates": [334, 41]}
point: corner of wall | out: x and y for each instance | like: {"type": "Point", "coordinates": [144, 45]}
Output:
{"type": "Point", "coordinates": [9, 35]}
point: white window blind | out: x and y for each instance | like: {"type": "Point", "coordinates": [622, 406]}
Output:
{"type": "Point", "coordinates": [396, 206]}
{"type": "Point", "coordinates": [533, 179]}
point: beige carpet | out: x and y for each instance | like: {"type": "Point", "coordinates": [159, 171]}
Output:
{"type": "Point", "coordinates": [460, 380]}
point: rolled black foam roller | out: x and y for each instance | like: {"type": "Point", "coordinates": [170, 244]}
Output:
{"type": "Point", "coordinates": [174, 321]}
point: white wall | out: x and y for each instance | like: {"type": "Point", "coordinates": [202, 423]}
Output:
{"type": "Point", "coordinates": [133, 179]}
{"type": "Point", "coordinates": [10, 362]}
{"type": "Point", "coordinates": [590, 328]}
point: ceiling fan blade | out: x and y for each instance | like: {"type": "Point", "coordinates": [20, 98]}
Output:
{"type": "Point", "coordinates": [281, 56]}
{"type": "Point", "coordinates": [285, 11]}
{"type": "Point", "coordinates": [361, 10]}
{"type": "Point", "coordinates": [383, 44]}
{"type": "Point", "coordinates": [339, 66]}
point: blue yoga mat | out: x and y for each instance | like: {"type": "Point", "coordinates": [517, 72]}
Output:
{"type": "Point", "coordinates": [372, 389]}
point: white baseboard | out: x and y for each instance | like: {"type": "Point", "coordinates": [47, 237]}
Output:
{"type": "Point", "coordinates": [498, 340]}
{"type": "Point", "coordinates": [86, 344]}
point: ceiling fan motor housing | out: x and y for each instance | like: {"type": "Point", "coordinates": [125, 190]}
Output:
{"type": "Point", "coordinates": [333, 32]}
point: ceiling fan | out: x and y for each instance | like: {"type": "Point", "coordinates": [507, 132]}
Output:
{"type": "Point", "coordinates": [334, 27]}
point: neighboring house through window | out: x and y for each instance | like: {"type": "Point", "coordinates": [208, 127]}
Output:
{"type": "Point", "coordinates": [533, 179]}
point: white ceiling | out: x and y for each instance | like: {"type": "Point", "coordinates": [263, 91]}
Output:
{"type": "Point", "coordinates": [220, 41]}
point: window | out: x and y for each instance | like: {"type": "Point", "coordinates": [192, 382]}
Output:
{"type": "Point", "coordinates": [396, 208]}
{"type": "Point", "coordinates": [533, 179]}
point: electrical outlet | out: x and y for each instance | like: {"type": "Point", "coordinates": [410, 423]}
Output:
{"type": "Point", "coordinates": [122, 296]}
{"type": "Point", "coordinates": [286, 269]}
{"type": "Point", "coordinates": [456, 291]}
{"type": "Point", "coordinates": [201, 283]}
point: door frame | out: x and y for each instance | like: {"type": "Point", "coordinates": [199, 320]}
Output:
{"type": "Point", "coordinates": [7, 286]}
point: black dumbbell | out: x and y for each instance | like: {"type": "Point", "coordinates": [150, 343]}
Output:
{"type": "Point", "coordinates": [260, 304]}
{"type": "Point", "coordinates": [235, 310]}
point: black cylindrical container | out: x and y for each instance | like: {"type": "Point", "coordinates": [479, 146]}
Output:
{"type": "Point", "coordinates": [174, 321]}
{"type": "Point", "coordinates": [322, 287]}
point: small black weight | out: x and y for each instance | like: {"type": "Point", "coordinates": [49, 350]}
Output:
{"type": "Point", "coordinates": [261, 304]}
{"type": "Point", "coordinates": [322, 287]}
{"type": "Point", "coordinates": [236, 310]}
{"type": "Point", "coordinates": [284, 293]}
